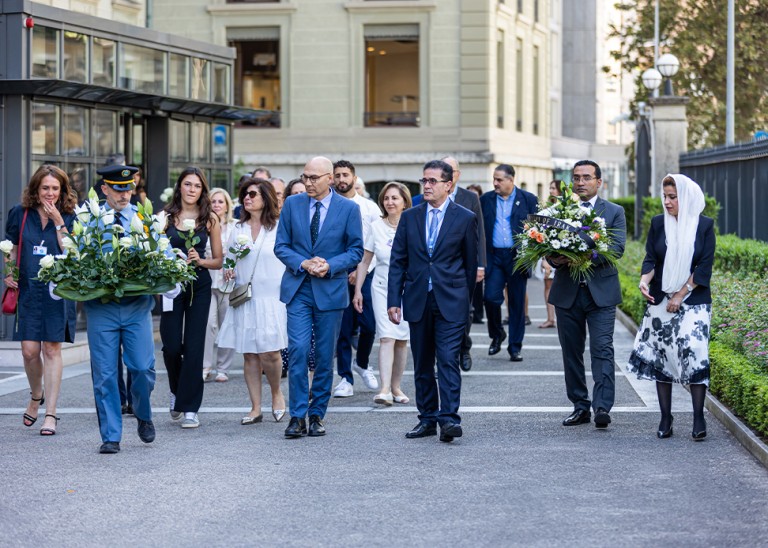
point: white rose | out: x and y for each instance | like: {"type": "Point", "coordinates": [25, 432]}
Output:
{"type": "Point", "coordinates": [126, 242]}
{"type": "Point", "coordinates": [159, 222]}
{"type": "Point", "coordinates": [108, 217]}
{"type": "Point", "coordinates": [163, 243]}
{"type": "Point", "coordinates": [47, 261]}
{"type": "Point", "coordinates": [6, 246]}
{"type": "Point", "coordinates": [69, 244]}
{"type": "Point", "coordinates": [93, 205]}
{"type": "Point", "coordinates": [136, 225]}
{"type": "Point", "coordinates": [242, 239]}
{"type": "Point", "coordinates": [188, 224]}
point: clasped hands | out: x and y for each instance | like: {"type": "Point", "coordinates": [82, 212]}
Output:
{"type": "Point", "coordinates": [316, 266]}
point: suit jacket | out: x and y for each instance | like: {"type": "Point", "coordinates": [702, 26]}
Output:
{"type": "Point", "coordinates": [340, 242]}
{"type": "Point", "coordinates": [453, 265]}
{"type": "Point", "coordinates": [604, 282]}
{"type": "Point", "coordinates": [525, 204]}
{"type": "Point", "coordinates": [701, 264]}
{"type": "Point", "coordinates": [470, 200]}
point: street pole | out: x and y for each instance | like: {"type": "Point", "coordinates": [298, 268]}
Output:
{"type": "Point", "coordinates": [730, 75]}
{"type": "Point", "coordinates": [643, 165]}
{"type": "Point", "coordinates": [656, 41]}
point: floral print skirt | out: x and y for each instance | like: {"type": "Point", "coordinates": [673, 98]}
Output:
{"type": "Point", "coordinates": [673, 346]}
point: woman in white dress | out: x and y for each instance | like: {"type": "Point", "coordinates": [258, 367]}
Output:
{"type": "Point", "coordinates": [216, 361]}
{"type": "Point", "coordinates": [394, 198]}
{"type": "Point", "coordinates": [258, 328]}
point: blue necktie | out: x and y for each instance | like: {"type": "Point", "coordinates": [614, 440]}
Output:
{"type": "Point", "coordinates": [432, 236]}
{"type": "Point", "coordinates": [314, 227]}
{"type": "Point", "coordinates": [588, 205]}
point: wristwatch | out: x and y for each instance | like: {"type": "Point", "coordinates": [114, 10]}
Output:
{"type": "Point", "coordinates": [689, 287]}
{"type": "Point", "coordinates": [59, 227]}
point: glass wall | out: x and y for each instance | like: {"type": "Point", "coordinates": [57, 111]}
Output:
{"type": "Point", "coordinates": [220, 83]}
{"type": "Point", "coordinates": [204, 145]}
{"type": "Point", "coordinates": [105, 141]}
{"type": "Point", "coordinates": [45, 52]}
{"type": "Point", "coordinates": [76, 131]}
{"type": "Point", "coordinates": [103, 62]}
{"type": "Point", "coordinates": [200, 79]}
{"type": "Point", "coordinates": [142, 69]}
{"type": "Point", "coordinates": [45, 129]}
{"type": "Point", "coordinates": [178, 75]}
{"type": "Point", "coordinates": [75, 57]}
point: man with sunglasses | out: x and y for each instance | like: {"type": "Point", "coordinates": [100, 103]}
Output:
{"type": "Point", "coordinates": [319, 238]}
{"type": "Point", "coordinates": [432, 274]}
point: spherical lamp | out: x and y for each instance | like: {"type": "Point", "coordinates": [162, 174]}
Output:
{"type": "Point", "coordinates": [652, 79]}
{"type": "Point", "coordinates": [668, 65]}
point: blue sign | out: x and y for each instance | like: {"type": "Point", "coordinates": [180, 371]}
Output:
{"type": "Point", "coordinates": [220, 135]}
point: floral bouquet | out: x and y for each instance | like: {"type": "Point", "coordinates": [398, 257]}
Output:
{"type": "Point", "coordinates": [103, 261]}
{"type": "Point", "coordinates": [239, 250]}
{"type": "Point", "coordinates": [566, 229]}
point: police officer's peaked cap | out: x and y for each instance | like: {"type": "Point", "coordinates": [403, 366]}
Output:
{"type": "Point", "coordinates": [120, 178]}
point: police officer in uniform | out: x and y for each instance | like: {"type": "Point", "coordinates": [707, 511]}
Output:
{"type": "Point", "coordinates": [127, 323]}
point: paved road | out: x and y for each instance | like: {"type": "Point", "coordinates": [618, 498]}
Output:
{"type": "Point", "coordinates": [517, 477]}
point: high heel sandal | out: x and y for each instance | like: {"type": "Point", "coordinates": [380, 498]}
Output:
{"type": "Point", "coordinates": [50, 431]}
{"type": "Point", "coordinates": [28, 419]}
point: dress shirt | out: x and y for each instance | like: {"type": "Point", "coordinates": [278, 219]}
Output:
{"type": "Point", "coordinates": [324, 205]}
{"type": "Point", "coordinates": [440, 217]}
{"type": "Point", "coordinates": [591, 201]}
{"type": "Point", "coordinates": [502, 227]}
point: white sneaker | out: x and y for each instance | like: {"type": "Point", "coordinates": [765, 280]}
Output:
{"type": "Point", "coordinates": [175, 415]}
{"type": "Point", "coordinates": [369, 379]}
{"type": "Point", "coordinates": [343, 390]}
{"type": "Point", "coordinates": [190, 420]}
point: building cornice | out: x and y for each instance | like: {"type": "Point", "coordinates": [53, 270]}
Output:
{"type": "Point", "coordinates": [282, 8]}
{"type": "Point", "coordinates": [390, 6]}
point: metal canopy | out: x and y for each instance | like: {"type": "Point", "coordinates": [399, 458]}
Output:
{"type": "Point", "coordinates": [61, 89]}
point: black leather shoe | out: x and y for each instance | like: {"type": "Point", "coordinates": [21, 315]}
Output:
{"type": "Point", "coordinates": [422, 430]}
{"type": "Point", "coordinates": [316, 426]}
{"type": "Point", "coordinates": [296, 428]}
{"type": "Point", "coordinates": [466, 362]}
{"type": "Point", "coordinates": [663, 434]}
{"type": "Point", "coordinates": [602, 418]}
{"type": "Point", "coordinates": [579, 416]}
{"type": "Point", "coordinates": [127, 409]}
{"type": "Point", "coordinates": [109, 448]}
{"type": "Point", "coordinates": [515, 357]}
{"type": "Point", "coordinates": [450, 430]}
{"type": "Point", "coordinates": [495, 347]}
{"type": "Point", "coordinates": [146, 431]}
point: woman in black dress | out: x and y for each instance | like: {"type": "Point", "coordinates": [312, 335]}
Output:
{"type": "Point", "coordinates": [191, 223]}
{"type": "Point", "coordinates": [45, 215]}
{"type": "Point", "coordinates": [672, 344]}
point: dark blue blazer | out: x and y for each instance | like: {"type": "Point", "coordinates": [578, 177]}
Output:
{"type": "Point", "coordinates": [340, 243]}
{"type": "Point", "coordinates": [525, 204]}
{"type": "Point", "coordinates": [453, 265]}
{"type": "Point", "coordinates": [701, 263]}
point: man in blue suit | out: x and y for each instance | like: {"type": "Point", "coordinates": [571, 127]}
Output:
{"type": "Point", "coordinates": [432, 275]}
{"type": "Point", "coordinates": [504, 211]}
{"type": "Point", "coordinates": [319, 238]}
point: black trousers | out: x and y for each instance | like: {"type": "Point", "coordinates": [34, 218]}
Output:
{"type": "Point", "coordinates": [182, 331]}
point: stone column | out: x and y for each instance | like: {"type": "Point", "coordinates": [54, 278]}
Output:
{"type": "Point", "coordinates": [670, 137]}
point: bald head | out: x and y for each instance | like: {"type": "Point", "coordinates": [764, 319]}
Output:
{"type": "Point", "coordinates": [317, 177]}
{"type": "Point", "coordinates": [454, 163]}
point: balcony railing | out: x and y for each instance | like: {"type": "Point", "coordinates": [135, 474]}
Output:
{"type": "Point", "coordinates": [391, 119]}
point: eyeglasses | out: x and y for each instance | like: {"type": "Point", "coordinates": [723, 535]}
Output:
{"type": "Point", "coordinates": [584, 178]}
{"type": "Point", "coordinates": [252, 194]}
{"type": "Point", "coordinates": [432, 181]}
{"type": "Point", "coordinates": [311, 178]}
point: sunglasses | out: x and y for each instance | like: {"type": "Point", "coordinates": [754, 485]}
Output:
{"type": "Point", "coordinates": [251, 194]}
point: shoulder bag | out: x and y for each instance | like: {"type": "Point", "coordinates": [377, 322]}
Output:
{"type": "Point", "coordinates": [242, 294]}
{"type": "Point", "coordinates": [11, 295]}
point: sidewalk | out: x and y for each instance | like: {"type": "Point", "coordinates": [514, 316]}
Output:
{"type": "Point", "coordinates": [516, 478]}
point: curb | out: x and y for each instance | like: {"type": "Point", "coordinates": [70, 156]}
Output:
{"type": "Point", "coordinates": [735, 426]}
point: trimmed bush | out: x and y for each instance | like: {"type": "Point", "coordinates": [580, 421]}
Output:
{"type": "Point", "coordinates": [628, 204]}
{"type": "Point", "coordinates": [653, 207]}
{"type": "Point", "coordinates": [747, 257]}
{"type": "Point", "coordinates": [741, 385]}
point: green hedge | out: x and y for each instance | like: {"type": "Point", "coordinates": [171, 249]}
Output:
{"type": "Point", "coordinates": [748, 257]}
{"type": "Point", "coordinates": [653, 207]}
{"type": "Point", "coordinates": [741, 385]}
{"type": "Point", "coordinates": [629, 212]}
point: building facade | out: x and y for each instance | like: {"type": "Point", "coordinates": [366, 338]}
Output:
{"type": "Point", "coordinates": [387, 84]}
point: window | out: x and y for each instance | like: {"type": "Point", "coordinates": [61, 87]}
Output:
{"type": "Point", "coordinates": [201, 142]}
{"type": "Point", "coordinates": [392, 75]}
{"type": "Point", "coordinates": [142, 69]}
{"type": "Point", "coordinates": [178, 75]}
{"type": "Point", "coordinates": [76, 131]}
{"type": "Point", "coordinates": [520, 6]}
{"type": "Point", "coordinates": [103, 62]}
{"type": "Point", "coordinates": [519, 85]}
{"type": "Point", "coordinates": [45, 52]}
{"type": "Point", "coordinates": [220, 83]}
{"type": "Point", "coordinates": [45, 129]}
{"type": "Point", "coordinates": [536, 90]}
{"type": "Point", "coordinates": [105, 133]}
{"type": "Point", "coordinates": [500, 77]}
{"type": "Point", "coordinates": [179, 146]}
{"type": "Point", "coordinates": [536, 11]}
{"type": "Point", "coordinates": [200, 79]}
{"type": "Point", "coordinates": [257, 72]}
{"type": "Point", "coordinates": [75, 57]}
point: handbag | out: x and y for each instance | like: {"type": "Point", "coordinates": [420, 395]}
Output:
{"type": "Point", "coordinates": [243, 293]}
{"type": "Point", "coordinates": [11, 295]}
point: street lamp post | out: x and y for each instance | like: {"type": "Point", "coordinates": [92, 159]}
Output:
{"type": "Point", "coordinates": [644, 149]}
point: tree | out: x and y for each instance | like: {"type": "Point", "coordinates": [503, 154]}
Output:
{"type": "Point", "coordinates": [695, 31]}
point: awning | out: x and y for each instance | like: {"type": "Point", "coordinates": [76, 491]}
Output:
{"type": "Point", "coordinates": [62, 89]}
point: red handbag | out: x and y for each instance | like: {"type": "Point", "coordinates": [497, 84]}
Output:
{"type": "Point", "coordinates": [11, 295]}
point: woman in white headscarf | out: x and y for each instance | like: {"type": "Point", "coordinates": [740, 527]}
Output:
{"type": "Point", "coordinates": [672, 344]}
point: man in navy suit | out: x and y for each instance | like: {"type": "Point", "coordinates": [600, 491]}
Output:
{"type": "Point", "coordinates": [432, 274]}
{"type": "Point", "coordinates": [504, 211]}
{"type": "Point", "coordinates": [319, 238]}
{"type": "Point", "coordinates": [589, 303]}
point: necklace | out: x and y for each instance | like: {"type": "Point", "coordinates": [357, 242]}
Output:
{"type": "Point", "coordinates": [386, 220]}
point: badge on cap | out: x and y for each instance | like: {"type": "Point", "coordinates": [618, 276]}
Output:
{"type": "Point", "coordinates": [126, 173]}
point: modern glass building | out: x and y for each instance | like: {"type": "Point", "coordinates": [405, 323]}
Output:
{"type": "Point", "coordinates": [76, 90]}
